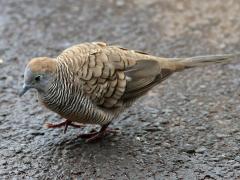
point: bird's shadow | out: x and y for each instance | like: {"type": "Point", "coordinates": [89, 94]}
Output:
{"type": "Point", "coordinates": [106, 147]}
{"type": "Point", "coordinates": [76, 154]}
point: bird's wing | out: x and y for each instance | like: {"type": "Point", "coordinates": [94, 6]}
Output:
{"type": "Point", "coordinates": [113, 76]}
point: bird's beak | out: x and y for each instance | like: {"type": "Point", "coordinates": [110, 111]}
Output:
{"type": "Point", "coordinates": [24, 89]}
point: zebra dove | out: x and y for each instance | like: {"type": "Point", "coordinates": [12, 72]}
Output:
{"type": "Point", "coordinates": [92, 83]}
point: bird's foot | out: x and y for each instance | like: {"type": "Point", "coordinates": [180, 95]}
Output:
{"type": "Point", "coordinates": [65, 124]}
{"type": "Point", "coordinates": [95, 136]}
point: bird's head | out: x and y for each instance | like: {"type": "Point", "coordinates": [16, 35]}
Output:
{"type": "Point", "coordinates": [39, 74]}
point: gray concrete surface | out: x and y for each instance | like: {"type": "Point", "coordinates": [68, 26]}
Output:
{"type": "Point", "coordinates": [186, 128]}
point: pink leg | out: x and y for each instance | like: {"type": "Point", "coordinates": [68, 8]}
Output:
{"type": "Point", "coordinates": [65, 124]}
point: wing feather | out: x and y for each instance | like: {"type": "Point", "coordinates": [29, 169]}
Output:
{"type": "Point", "coordinates": [113, 76]}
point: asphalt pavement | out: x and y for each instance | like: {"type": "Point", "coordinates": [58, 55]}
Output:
{"type": "Point", "coordinates": [186, 128]}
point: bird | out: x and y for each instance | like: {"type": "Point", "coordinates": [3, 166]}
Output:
{"type": "Point", "coordinates": [93, 82]}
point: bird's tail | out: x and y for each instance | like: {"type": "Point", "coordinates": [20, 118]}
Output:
{"type": "Point", "coordinates": [204, 60]}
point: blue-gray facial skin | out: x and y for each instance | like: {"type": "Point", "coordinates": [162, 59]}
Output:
{"type": "Point", "coordinates": [35, 80]}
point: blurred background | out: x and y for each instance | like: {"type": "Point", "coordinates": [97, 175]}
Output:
{"type": "Point", "coordinates": [186, 128]}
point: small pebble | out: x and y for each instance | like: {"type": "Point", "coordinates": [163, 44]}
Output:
{"type": "Point", "coordinates": [237, 158]}
{"type": "Point", "coordinates": [166, 145]}
{"type": "Point", "coordinates": [201, 128]}
{"type": "Point", "coordinates": [215, 159]}
{"type": "Point", "coordinates": [138, 139]}
{"type": "Point", "coordinates": [219, 135]}
{"type": "Point", "coordinates": [120, 3]}
{"type": "Point", "coordinates": [222, 46]}
{"type": "Point", "coordinates": [200, 150]}
{"type": "Point", "coordinates": [188, 148]}
{"type": "Point", "coordinates": [164, 121]}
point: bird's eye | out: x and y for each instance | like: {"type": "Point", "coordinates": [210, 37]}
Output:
{"type": "Point", "coordinates": [37, 78]}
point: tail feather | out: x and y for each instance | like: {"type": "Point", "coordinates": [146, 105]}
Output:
{"type": "Point", "coordinates": [206, 60]}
